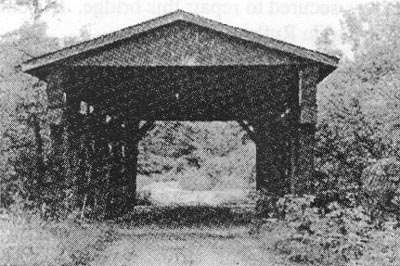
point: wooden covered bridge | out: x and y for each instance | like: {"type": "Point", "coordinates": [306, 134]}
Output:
{"type": "Point", "coordinates": [182, 67]}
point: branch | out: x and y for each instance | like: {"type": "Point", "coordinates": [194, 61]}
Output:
{"type": "Point", "coordinates": [51, 5]}
{"type": "Point", "coordinates": [250, 132]}
{"type": "Point", "coordinates": [149, 125]}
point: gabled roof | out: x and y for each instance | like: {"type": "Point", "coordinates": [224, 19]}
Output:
{"type": "Point", "coordinates": [179, 15]}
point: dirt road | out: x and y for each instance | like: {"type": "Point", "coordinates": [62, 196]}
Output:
{"type": "Point", "coordinates": [187, 246]}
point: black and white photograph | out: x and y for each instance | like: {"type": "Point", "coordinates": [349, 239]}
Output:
{"type": "Point", "coordinates": [199, 132]}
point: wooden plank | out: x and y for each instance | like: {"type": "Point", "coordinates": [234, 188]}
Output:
{"type": "Point", "coordinates": [55, 92]}
{"type": "Point", "coordinates": [155, 25]}
{"type": "Point", "coordinates": [130, 143]}
{"type": "Point", "coordinates": [270, 159]}
{"type": "Point", "coordinates": [305, 135]}
{"type": "Point", "coordinates": [71, 145]}
{"type": "Point", "coordinates": [308, 79]}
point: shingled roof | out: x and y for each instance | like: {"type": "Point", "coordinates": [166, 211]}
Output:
{"type": "Point", "coordinates": [179, 15]}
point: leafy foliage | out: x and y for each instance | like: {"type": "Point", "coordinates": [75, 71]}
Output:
{"type": "Point", "coordinates": [381, 185]}
{"type": "Point", "coordinates": [383, 248]}
{"type": "Point", "coordinates": [306, 235]}
{"type": "Point", "coordinates": [201, 155]}
{"type": "Point", "coordinates": [24, 112]}
{"type": "Point", "coordinates": [36, 8]}
{"type": "Point", "coordinates": [358, 103]}
{"type": "Point", "coordinates": [27, 165]}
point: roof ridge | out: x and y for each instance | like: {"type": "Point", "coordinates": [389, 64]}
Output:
{"type": "Point", "coordinates": [168, 18]}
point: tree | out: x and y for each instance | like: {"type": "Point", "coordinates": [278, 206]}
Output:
{"type": "Point", "coordinates": [23, 98]}
{"type": "Point", "coordinates": [36, 8]}
{"type": "Point", "coordinates": [326, 44]}
{"type": "Point", "coordinates": [25, 118]}
{"type": "Point", "coordinates": [359, 102]}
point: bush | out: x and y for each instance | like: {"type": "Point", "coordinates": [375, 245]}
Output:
{"type": "Point", "coordinates": [381, 186]}
{"type": "Point", "coordinates": [306, 235]}
{"type": "Point", "coordinates": [383, 250]}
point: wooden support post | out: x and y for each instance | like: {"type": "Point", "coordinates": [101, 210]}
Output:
{"type": "Point", "coordinates": [270, 171]}
{"type": "Point", "coordinates": [304, 142]}
{"type": "Point", "coordinates": [55, 89]}
{"type": "Point", "coordinates": [131, 142]}
{"type": "Point", "coordinates": [294, 133]}
{"type": "Point", "coordinates": [86, 163]}
{"type": "Point", "coordinates": [305, 163]}
{"type": "Point", "coordinates": [94, 163]}
{"type": "Point", "coordinates": [64, 107]}
{"type": "Point", "coordinates": [56, 101]}
{"type": "Point", "coordinates": [100, 161]}
{"type": "Point", "coordinates": [119, 188]}
{"type": "Point", "coordinates": [71, 145]}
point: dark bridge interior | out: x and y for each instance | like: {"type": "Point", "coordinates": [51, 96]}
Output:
{"type": "Point", "coordinates": [187, 93]}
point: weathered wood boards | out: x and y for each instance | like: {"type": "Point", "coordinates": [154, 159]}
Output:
{"type": "Point", "coordinates": [184, 44]}
{"type": "Point", "coordinates": [308, 80]}
{"type": "Point", "coordinates": [277, 102]}
{"type": "Point", "coordinates": [179, 67]}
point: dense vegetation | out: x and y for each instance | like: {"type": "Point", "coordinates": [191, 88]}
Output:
{"type": "Point", "coordinates": [353, 214]}
{"type": "Point", "coordinates": [358, 104]}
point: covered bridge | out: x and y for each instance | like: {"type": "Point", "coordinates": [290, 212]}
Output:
{"type": "Point", "coordinates": [182, 67]}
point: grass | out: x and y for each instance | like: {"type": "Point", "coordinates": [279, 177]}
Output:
{"type": "Point", "coordinates": [27, 240]}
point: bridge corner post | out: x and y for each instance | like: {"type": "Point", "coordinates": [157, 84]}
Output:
{"type": "Point", "coordinates": [71, 154]}
{"type": "Point", "coordinates": [303, 168]}
{"type": "Point", "coordinates": [131, 150]}
{"type": "Point", "coordinates": [64, 114]}
{"type": "Point", "coordinates": [56, 102]}
{"type": "Point", "coordinates": [270, 174]}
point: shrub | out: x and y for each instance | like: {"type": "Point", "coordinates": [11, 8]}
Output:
{"type": "Point", "coordinates": [306, 235]}
{"type": "Point", "coordinates": [381, 186]}
{"type": "Point", "coordinates": [383, 249]}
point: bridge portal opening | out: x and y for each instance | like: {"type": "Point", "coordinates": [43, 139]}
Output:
{"type": "Point", "coordinates": [196, 163]}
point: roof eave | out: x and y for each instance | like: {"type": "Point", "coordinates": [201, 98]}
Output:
{"type": "Point", "coordinates": [60, 55]}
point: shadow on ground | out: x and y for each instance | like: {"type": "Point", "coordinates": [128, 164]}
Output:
{"type": "Point", "coordinates": [178, 216]}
